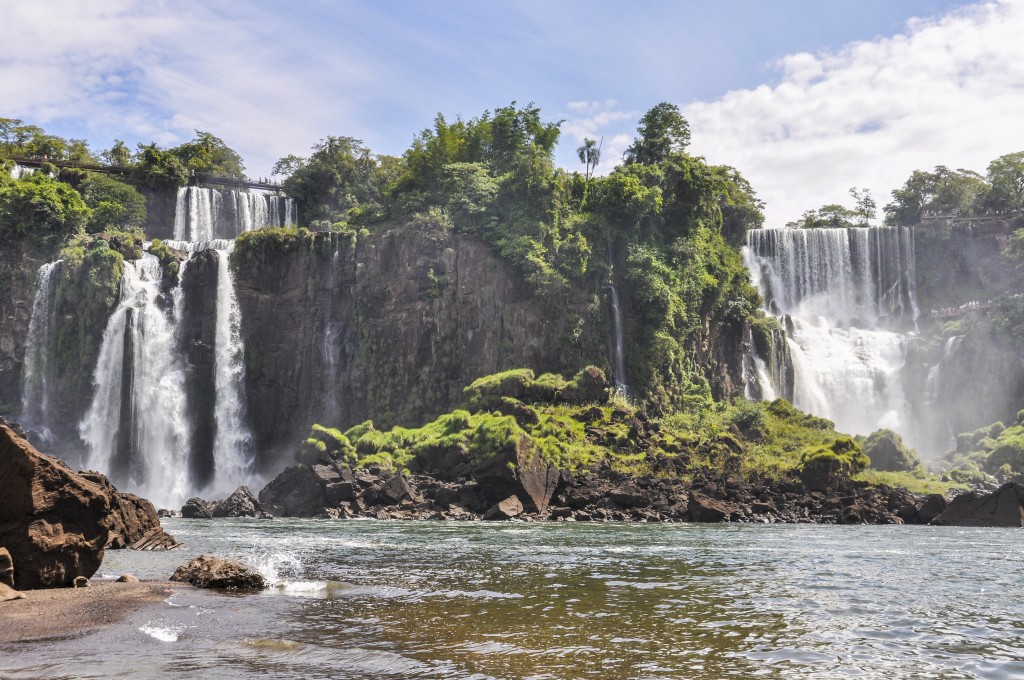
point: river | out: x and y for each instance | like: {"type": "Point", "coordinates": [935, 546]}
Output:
{"type": "Point", "coordinates": [367, 599]}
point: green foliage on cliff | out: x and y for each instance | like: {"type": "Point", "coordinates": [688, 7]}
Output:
{"type": "Point", "coordinates": [114, 204]}
{"type": "Point", "coordinates": [994, 450]}
{"type": "Point", "coordinates": [505, 412]}
{"type": "Point", "coordinates": [209, 155]}
{"type": "Point", "coordinates": [886, 450]}
{"type": "Point", "coordinates": [40, 207]}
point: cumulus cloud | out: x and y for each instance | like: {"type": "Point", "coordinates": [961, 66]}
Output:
{"type": "Point", "coordinates": [947, 91]}
{"type": "Point", "coordinates": [158, 70]}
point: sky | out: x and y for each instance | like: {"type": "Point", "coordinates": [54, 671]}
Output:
{"type": "Point", "coordinates": [806, 98]}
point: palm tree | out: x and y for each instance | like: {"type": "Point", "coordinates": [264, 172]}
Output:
{"type": "Point", "coordinates": [589, 155]}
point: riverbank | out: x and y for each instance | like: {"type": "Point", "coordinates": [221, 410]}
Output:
{"type": "Point", "coordinates": [59, 613]}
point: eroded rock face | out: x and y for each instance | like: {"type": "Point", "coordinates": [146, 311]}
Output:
{"type": "Point", "coordinates": [56, 523]}
{"type": "Point", "coordinates": [241, 503]}
{"type": "Point", "coordinates": [207, 571]}
{"type": "Point", "coordinates": [1004, 507]}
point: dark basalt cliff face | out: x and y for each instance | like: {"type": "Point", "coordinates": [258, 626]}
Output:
{"type": "Point", "coordinates": [340, 329]}
{"type": "Point", "coordinates": [18, 265]}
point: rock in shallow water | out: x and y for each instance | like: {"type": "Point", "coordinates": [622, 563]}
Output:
{"type": "Point", "coordinates": [207, 571]}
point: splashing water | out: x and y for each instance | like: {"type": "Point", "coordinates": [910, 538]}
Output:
{"type": "Point", "coordinates": [849, 297]}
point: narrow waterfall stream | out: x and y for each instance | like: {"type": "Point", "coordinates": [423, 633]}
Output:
{"type": "Point", "coordinates": [847, 296]}
{"type": "Point", "coordinates": [35, 396]}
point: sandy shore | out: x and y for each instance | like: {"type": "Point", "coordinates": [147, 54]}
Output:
{"type": "Point", "coordinates": [63, 612]}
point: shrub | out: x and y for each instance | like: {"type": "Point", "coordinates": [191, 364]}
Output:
{"type": "Point", "coordinates": [886, 450]}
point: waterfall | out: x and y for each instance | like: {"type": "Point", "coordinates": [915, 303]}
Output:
{"type": "Point", "coordinates": [204, 214]}
{"type": "Point", "coordinates": [329, 345]}
{"type": "Point", "coordinates": [768, 365]}
{"type": "Point", "coordinates": [138, 429]}
{"type": "Point", "coordinates": [618, 342]}
{"type": "Point", "coordinates": [848, 299]}
{"type": "Point", "coordinates": [135, 428]}
{"type": "Point", "coordinates": [20, 171]}
{"type": "Point", "coordinates": [231, 444]}
{"type": "Point", "coordinates": [35, 398]}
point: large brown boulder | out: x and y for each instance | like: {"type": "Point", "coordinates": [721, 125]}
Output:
{"type": "Point", "coordinates": [56, 523]}
{"type": "Point", "coordinates": [1004, 507]}
{"type": "Point", "coordinates": [704, 508]}
{"type": "Point", "coordinates": [207, 571]}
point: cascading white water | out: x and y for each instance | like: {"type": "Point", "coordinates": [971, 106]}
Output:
{"type": "Point", "coordinates": [847, 294]}
{"type": "Point", "coordinates": [35, 396]}
{"type": "Point", "coordinates": [19, 171]}
{"type": "Point", "coordinates": [329, 344]}
{"type": "Point", "coordinates": [148, 453]}
{"type": "Point", "coordinates": [618, 350]}
{"type": "Point", "coordinates": [204, 214]}
{"type": "Point", "coordinates": [232, 462]}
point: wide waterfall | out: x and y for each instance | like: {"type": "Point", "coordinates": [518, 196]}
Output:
{"type": "Point", "coordinates": [142, 424]}
{"type": "Point", "coordinates": [203, 214]}
{"type": "Point", "coordinates": [35, 396]}
{"type": "Point", "coordinates": [847, 299]}
{"type": "Point", "coordinates": [135, 429]}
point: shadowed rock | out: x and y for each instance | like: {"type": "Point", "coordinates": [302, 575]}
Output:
{"type": "Point", "coordinates": [1004, 507]}
{"type": "Point", "coordinates": [56, 523]}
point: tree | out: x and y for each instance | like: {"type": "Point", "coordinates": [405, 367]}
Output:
{"type": "Point", "coordinates": [114, 204]}
{"type": "Point", "coordinates": [943, 192]}
{"type": "Point", "coordinates": [1006, 176]}
{"type": "Point", "coordinates": [338, 177]}
{"type": "Point", "coordinates": [118, 154]}
{"type": "Point", "coordinates": [589, 155]}
{"type": "Point", "coordinates": [865, 207]}
{"type": "Point", "coordinates": [42, 207]}
{"type": "Point", "coordinates": [159, 169]}
{"type": "Point", "coordinates": [741, 209]}
{"type": "Point", "coordinates": [209, 154]}
{"type": "Point", "coordinates": [663, 130]}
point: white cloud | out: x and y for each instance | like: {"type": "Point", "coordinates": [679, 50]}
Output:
{"type": "Point", "coordinates": [157, 70]}
{"type": "Point", "coordinates": [947, 91]}
{"type": "Point", "coordinates": [598, 120]}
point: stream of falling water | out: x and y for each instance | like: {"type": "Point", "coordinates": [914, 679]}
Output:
{"type": "Point", "coordinates": [135, 428]}
{"type": "Point", "coordinates": [35, 396]}
{"type": "Point", "coordinates": [204, 214]}
{"type": "Point", "coordinates": [849, 298]}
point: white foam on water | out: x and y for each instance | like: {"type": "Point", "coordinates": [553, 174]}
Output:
{"type": "Point", "coordinates": [161, 634]}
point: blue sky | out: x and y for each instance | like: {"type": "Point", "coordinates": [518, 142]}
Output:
{"type": "Point", "coordinates": [806, 98]}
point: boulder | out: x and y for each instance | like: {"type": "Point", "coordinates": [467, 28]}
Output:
{"type": "Point", "coordinates": [56, 523]}
{"type": "Point", "coordinates": [127, 578]}
{"type": "Point", "coordinates": [8, 593]}
{"type": "Point", "coordinates": [396, 489]}
{"type": "Point", "coordinates": [242, 503]}
{"type": "Point", "coordinates": [6, 568]}
{"type": "Point", "coordinates": [934, 505]}
{"type": "Point", "coordinates": [207, 571]}
{"type": "Point", "coordinates": [704, 508]}
{"type": "Point", "coordinates": [197, 508]}
{"type": "Point", "coordinates": [296, 492]}
{"type": "Point", "coordinates": [506, 509]}
{"type": "Point", "coordinates": [521, 471]}
{"type": "Point", "coordinates": [131, 517]}
{"type": "Point", "coordinates": [1004, 507]}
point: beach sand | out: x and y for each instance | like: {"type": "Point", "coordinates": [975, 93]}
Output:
{"type": "Point", "coordinates": [68, 612]}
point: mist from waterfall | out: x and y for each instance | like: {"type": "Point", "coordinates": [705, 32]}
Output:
{"type": "Point", "coordinates": [847, 297]}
